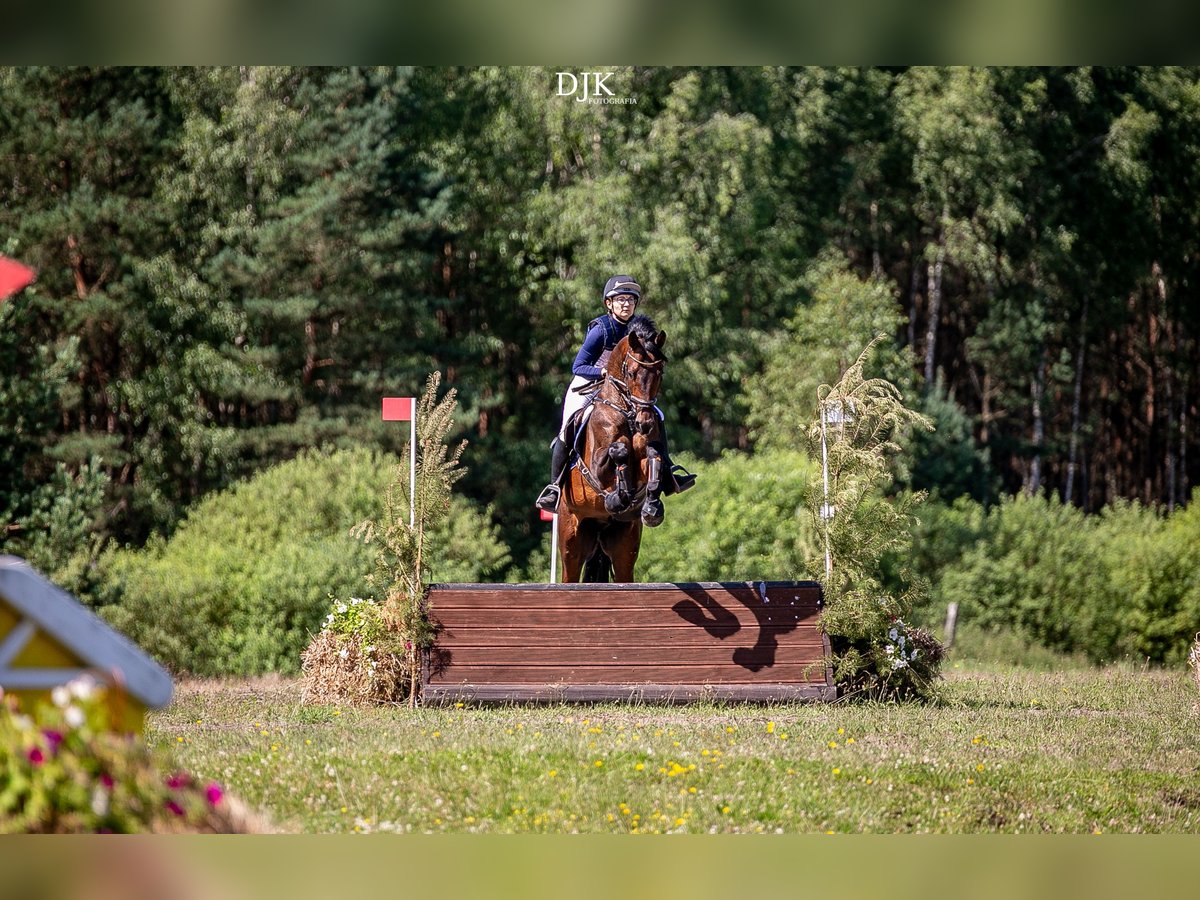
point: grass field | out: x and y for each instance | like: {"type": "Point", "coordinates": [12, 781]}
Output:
{"type": "Point", "coordinates": [1008, 749]}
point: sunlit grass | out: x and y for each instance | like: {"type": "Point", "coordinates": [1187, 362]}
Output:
{"type": "Point", "coordinates": [1080, 750]}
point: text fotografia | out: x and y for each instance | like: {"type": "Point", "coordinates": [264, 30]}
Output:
{"type": "Point", "coordinates": [589, 87]}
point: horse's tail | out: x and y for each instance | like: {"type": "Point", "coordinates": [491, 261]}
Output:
{"type": "Point", "coordinates": [598, 568]}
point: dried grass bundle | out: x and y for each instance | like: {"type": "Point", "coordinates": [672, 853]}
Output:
{"type": "Point", "coordinates": [339, 669]}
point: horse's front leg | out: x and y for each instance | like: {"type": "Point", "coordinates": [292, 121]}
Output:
{"type": "Point", "coordinates": [617, 461]}
{"type": "Point", "coordinates": [652, 509]}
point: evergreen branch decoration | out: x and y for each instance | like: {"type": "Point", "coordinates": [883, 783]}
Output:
{"type": "Point", "coordinates": [875, 651]}
{"type": "Point", "coordinates": [402, 564]}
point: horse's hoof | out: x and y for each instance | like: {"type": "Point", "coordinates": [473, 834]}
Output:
{"type": "Point", "coordinates": [613, 503]}
{"type": "Point", "coordinates": [653, 513]}
{"type": "Point", "coordinates": [618, 453]}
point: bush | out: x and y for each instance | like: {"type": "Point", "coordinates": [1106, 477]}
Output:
{"type": "Point", "coordinates": [744, 521]}
{"type": "Point", "coordinates": [1125, 583]}
{"type": "Point", "coordinates": [1036, 570]}
{"type": "Point", "coordinates": [876, 654]}
{"type": "Point", "coordinates": [245, 581]}
{"type": "Point", "coordinates": [63, 770]}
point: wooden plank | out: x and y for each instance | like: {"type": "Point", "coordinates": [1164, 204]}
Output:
{"type": "Point", "coordinates": [615, 587]}
{"type": "Point", "coordinates": [726, 620]}
{"type": "Point", "coordinates": [626, 693]}
{"type": "Point", "coordinates": [697, 673]}
{"type": "Point", "coordinates": [649, 635]}
{"type": "Point", "coordinates": [606, 598]}
{"type": "Point", "coordinates": [753, 658]}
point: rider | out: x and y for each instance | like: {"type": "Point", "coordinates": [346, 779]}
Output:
{"type": "Point", "coordinates": [621, 296]}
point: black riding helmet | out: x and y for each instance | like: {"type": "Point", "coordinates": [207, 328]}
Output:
{"type": "Point", "coordinates": [622, 284]}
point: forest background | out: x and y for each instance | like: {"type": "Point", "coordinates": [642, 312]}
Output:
{"type": "Point", "coordinates": [235, 264]}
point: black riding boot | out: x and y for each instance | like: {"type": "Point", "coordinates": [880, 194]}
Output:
{"type": "Point", "coordinates": [548, 498]}
{"type": "Point", "coordinates": [675, 479]}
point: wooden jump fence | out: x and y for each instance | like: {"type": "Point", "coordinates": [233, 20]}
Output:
{"type": "Point", "coordinates": [755, 641]}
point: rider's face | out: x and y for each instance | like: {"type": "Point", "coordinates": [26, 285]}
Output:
{"type": "Point", "coordinates": [622, 306]}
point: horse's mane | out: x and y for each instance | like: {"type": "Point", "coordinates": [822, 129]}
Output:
{"type": "Point", "coordinates": [645, 328]}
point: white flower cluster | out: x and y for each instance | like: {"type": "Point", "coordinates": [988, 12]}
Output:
{"type": "Point", "coordinates": [897, 647]}
{"type": "Point", "coordinates": [64, 697]}
{"type": "Point", "coordinates": [342, 608]}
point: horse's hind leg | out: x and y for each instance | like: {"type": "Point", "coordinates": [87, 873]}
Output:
{"type": "Point", "coordinates": [577, 541]}
{"type": "Point", "coordinates": [622, 544]}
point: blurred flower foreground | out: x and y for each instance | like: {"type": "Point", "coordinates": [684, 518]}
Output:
{"type": "Point", "coordinates": [63, 769]}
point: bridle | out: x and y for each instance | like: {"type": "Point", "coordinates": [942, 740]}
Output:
{"type": "Point", "coordinates": [622, 383]}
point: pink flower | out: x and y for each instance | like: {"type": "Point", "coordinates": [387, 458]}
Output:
{"type": "Point", "coordinates": [106, 780]}
{"type": "Point", "coordinates": [53, 738]}
{"type": "Point", "coordinates": [36, 756]}
{"type": "Point", "coordinates": [177, 781]}
{"type": "Point", "coordinates": [214, 793]}
{"type": "Point", "coordinates": [175, 807]}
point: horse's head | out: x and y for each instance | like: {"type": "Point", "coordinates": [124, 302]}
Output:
{"type": "Point", "coordinates": [636, 365]}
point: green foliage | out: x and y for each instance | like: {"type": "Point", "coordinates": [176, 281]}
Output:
{"type": "Point", "coordinates": [357, 617]}
{"type": "Point", "coordinates": [946, 462]}
{"type": "Point", "coordinates": [821, 341]}
{"type": "Point", "coordinates": [245, 581]}
{"type": "Point", "coordinates": [858, 421]}
{"type": "Point", "coordinates": [1123, 584]}
{"type": "Point", "coordinates": [63, 769]}
{"type": "Point", "coordinates": [941, 534]}
{"type": "Point", "coordinates": [60, 534]}
{"type": "Point", "coordinates": [742, 522]}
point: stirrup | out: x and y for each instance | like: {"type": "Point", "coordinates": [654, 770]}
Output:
{"type": "Point", "coordinates": [684, 480]}
{"type": "Point", "coordinates": [549, 497]}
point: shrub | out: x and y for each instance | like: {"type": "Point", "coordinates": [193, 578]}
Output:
{"type": "Point", "coordinates": [63, 770]}
{"type": "Point", "coordinates": [858, 424]}
{"type": "Point", "coordinates": [1036, 570]}
{"type": "Point", "coordinates": [1123, 583]}
{"type": "Point", "coordinates": [245, 581]}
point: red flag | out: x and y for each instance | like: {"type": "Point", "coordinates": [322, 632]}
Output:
{"type": "Point", "coordinates": [545, 516]}
{"type": "Point", "coordinates": [13, 276]}
{"type": "Point", "coordinates": [398, 409]}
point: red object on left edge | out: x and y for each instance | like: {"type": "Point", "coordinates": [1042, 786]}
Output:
{"type": "Point", "coordinates": [13, 276]}
{"type": "Point", "coordinates": [397, 409]}
{"type": "Point", "coordinates": [545, 516]}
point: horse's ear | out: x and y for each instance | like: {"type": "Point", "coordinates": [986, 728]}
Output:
{"type": "Point", "coordinates": [635, 342]}
{"type": "Point", "coordinates": [660, 339]}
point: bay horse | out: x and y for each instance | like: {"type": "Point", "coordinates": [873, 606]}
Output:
{"type": "Point", "coordinates": [614, 487]}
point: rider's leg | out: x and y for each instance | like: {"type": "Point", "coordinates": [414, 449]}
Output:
{"type": "Point", "coordinates": [560, 450]}
{"type": "Point", "coordinates": [548, 498]}
{"type": "Point", "coordinates": [675, 479]}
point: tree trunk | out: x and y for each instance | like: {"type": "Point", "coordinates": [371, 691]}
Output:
{"type": "Point", "coordinates": [1038, 390]}
{"type": "Point", "coordinates": [913, 294]}
{"type": "Point", "coordinates": [876, 262]}
{"type": "Point", "coordinates": [1069, 490]}
{"type": "Point", "coordinates": [935, 298]}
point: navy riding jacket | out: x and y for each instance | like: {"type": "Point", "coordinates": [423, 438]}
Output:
{"type": "Point", "coordinates": [603, 333]}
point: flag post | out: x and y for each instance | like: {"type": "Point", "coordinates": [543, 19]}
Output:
{"type": "Point", "coordinates": [412, 472]}
{"type": "Point", "coordinates": [400, 409]}
{"type": "Point", "coordinates": [553, 519]}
